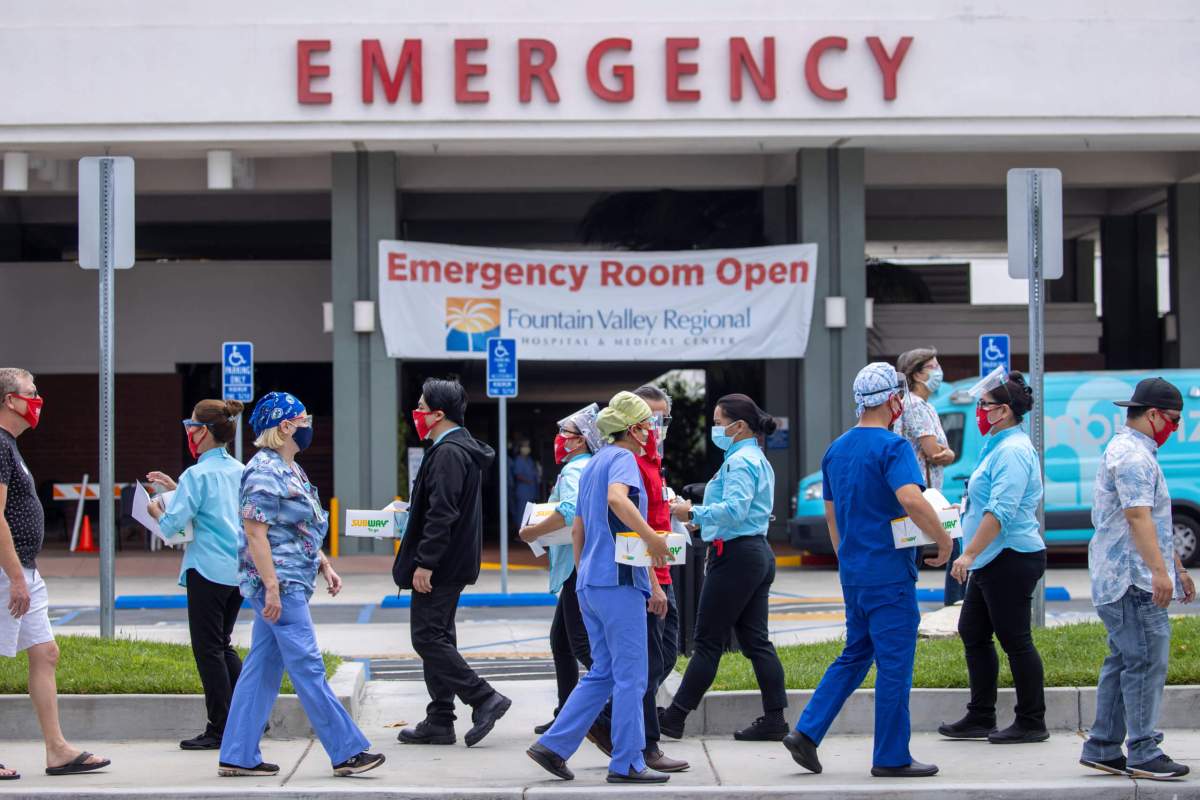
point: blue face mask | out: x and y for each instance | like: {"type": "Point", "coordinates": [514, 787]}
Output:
{"type": "Point", "coordinates": [934, 381]}
{"type": "Point", "coordinates": [720, 438]}
{"type": "Point", "coordinates": [303, 438]}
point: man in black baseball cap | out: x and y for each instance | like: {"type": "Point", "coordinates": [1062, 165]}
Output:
{"type": "Point", "coordinates": [1135, 573]}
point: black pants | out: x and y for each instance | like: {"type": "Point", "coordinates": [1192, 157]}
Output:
{"type": "Point", "coordinates": [669, 638]}
{"type": "Point", "coordinates": [999, 599]}
{"type": "Point", "coordinates": [735, 594]}
{"type": "Point", "coordinates": [568, 641]}
{"type": "Point", "coordinates": [435, 639]}
{"type": "Point", "coordinates": [212, 612]}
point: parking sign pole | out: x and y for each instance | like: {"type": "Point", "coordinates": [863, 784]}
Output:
{"type": "Point", "coordinates": [503, 401]}
{"type": "Point", "coordinates": [107, 522]}
{"type": "Point", "coordinates": [1037, 363]}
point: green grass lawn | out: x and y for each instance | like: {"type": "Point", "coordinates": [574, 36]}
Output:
{"type": "Point", "coordinates": [90, 665]}
{"type": "Point", "coordinates": [1072, 655]}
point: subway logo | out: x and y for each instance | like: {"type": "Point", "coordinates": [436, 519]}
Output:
{"type": "Point", "coordinates": [370, 524]}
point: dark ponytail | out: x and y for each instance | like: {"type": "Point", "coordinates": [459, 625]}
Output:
{"type": "Point", "coordinates": [741, 407]}
{"type": "Point", "coordinates": [1017, 394]}
{"type": "Point", "coordinates": [220, 416]}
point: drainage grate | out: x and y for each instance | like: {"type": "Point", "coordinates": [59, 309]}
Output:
{"type": "Point", "coordinates": [492, 669]}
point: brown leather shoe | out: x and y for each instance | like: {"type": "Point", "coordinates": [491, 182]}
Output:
{"type": "Point", "coordinates": [658, 761]}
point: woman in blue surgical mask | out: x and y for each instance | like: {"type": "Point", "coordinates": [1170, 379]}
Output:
{"type": "Point", "coordinates": [922, 427]}
{"type": "Point", "coordinates": [740, 570]}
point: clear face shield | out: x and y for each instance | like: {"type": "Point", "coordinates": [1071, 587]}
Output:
{"type": "Point", "coordinates": [990, 382]}
{"type": "Point", "coordinates": [584, 421]}
{"type": "Point", "coordinates": [661, 423]}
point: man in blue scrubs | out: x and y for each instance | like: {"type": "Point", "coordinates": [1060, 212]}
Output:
{"type": "Point", "coordinates": [870, 478]}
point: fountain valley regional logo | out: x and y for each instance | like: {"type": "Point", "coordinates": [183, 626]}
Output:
{"type": "Point", "coordinates": [470, 322]}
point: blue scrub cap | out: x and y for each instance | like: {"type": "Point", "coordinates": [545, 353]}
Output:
{"type": "Point", "coordinates": [875, 384]}
{"type": "Point", "coordinates": [273, 409]}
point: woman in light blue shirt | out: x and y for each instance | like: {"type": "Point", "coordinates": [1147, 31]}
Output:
{"type": "Point", "coordinates": [577, 439]}
{"type": "Point", "coordinates": [206, 498]}
{"type": "Point", "coordinates": [1004, 557]}
{"type": "Point", "coordinates": [741, 568]}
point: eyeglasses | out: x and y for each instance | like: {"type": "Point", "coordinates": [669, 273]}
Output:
{"type": "Point", "coordinates": [191, 423]}
{"type": "Point", "coordinates": [566, 432]}
{"type": "Point", "coordinates": [31, 396]}
{"type": "Point", "coordinates": [301, 422]}
{"type": "Point", "coordinates": [988, 404]}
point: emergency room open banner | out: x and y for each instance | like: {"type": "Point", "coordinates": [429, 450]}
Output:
{"type": "Point", "coordinates": [438, 300]}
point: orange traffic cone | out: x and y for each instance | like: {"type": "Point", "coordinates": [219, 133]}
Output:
{"type": "Point", "coordinates": [86, 543]}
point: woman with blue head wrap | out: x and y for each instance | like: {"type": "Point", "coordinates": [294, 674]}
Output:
{"type": "Point", "coordinates": [279, 556]}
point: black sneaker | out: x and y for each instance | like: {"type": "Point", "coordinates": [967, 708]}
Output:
{"type": "Point", "coordinates": [427, 732]}
{"type": "Point", "coordinates": [205, 741]}
{"type": "Point", "coordinates": [803, 750]}
{"type": "Point", "coordinates": [968, 728]}
{"type": "Point", "coordinates": [263, 770]}
{"type": "Point", "coordinates": [1113, 766]}
{"type": "Point", "coordinates": [671, 722]}
{"type": "Point", "coordinates": [645, 776]}
{"type": "Point", "coordinates": [1015, 734]}
{"type": "Point", "coordinates": [1159, 769]}
{"type": "Point", "coordinates": [363, 762]}
{"type": "Point", "coordinates": [764, 730]}
{"type": "Point", "coordinates": [485, 717]}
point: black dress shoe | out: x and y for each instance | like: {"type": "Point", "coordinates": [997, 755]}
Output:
{"type": "Point", "coordinates": [205, 741]}
{"type": "Point", "coordinates": [914, 770]}
{"type": "Point", "coordinates": [601, 736]}
{"type": "Point", "coordinates": [803, 750]}
{"type": "Point", "coordinates": [427, 732]}
{"type": "Point", "coordinates": [968, 728]}
{"type": "Point", "coordinates": [550, 761]}
{"type": "Point", "coordinates": [764, 729]}
{"type": "Point", "coordinates": [671, 722]}
{"type": "Point", "coordinates": [1014, 734]}
{"type": "Point", "coordinates": [645, 776]}
{"type": "Point", "coordinates": [485, 717]}
{"type": "Point", "coordinates": [545, 726]}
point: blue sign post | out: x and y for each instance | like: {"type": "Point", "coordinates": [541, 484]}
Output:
{"type": "Point", "coordinates": [237, 380]}
{"type": "Point", "coordinates": [994, 351]}
{"type": "Point", "coordinates": [502, 384]}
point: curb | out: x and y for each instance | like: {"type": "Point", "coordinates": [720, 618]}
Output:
{"type": "Point", "coordinates": [165, 716]}
{"type": "Point", "coordinates": [1067, 709]}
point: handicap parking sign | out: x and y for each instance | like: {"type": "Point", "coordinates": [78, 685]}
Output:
{"type": "Point", "coordinates": [237, 371]}
{"type": "Point", "coordinates": [501, 367]}
{"type": "Point", "coordinates": [994, 351]}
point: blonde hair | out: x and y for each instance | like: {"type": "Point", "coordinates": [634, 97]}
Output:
{"type": "Point", "coordinates": [270, 439]}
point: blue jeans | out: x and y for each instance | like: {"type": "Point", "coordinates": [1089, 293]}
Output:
{"type": "Point", "coordinates": [881, 628]}
{"type": "Point", "coordinates": [615, 617]}
{"type": "Point", "coordinates": [291, 644]}
{"type": "Point", "coordinates": [1132, 679]}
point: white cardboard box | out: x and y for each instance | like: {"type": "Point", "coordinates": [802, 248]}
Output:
{"type": "Point", "coordinates": [905, 532]}
{"type": "Point", "coordinates": [535, 513]}
{"type": "Point", "coordinates": [387, 523]}
{"type": "Point", "coordinates": [631, 550]}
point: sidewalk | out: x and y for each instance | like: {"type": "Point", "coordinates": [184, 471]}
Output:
{"type": "Point", "coordinates": [498, 768]}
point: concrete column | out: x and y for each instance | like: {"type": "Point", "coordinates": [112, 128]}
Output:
{"type": "Point", "coordinates": [830, 212]}
{"type": "Point", "coordinates": [781, 378]}
{"type": "Point", "coordinates": [365, 385]}
{"type": "Point", "coordinates": [1129, 290]}
{"type": "Point", "coordinates": [1183, 225]}
{"type": "Point", "coordinates": [1077, 284]}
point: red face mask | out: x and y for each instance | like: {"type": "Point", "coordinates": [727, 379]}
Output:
{"type": "Point", "coordinates": [560, 448]}
{"type": "Point", "coordinates": [1161, 436]}
{"type": "Point", "coordinates": [652, 455]}
{"type": "Point", "coordinates": [898, 413]}
{"type": "Point", "coordinates": [419, 420]}
{"type": "Point", "coordinates": [193, 445]}
{"type": "Point", "coordinates": [33, 410]}
{"type": "Point", "coordinates": [981, 419]}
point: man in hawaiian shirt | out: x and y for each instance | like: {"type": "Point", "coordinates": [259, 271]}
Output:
{"type": "Point", "coordinates": [1135, 574]}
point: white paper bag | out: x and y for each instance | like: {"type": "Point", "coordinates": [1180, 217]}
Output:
{"type": "Point", "coordinates": [905, 532]}
{"type": "Point", "coordinates": [630, 549]}
{"type": "Point", "coordinates": [141, 513]}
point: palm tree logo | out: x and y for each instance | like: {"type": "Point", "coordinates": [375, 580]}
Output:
{"type": "Point", "coordinates": [470, 322]}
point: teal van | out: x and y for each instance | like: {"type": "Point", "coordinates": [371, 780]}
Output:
{"type": "Point", "coordinates": [1080, 419]}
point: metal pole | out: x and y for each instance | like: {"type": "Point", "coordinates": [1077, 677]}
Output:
{"type": "Point", "coordinates": [1037, 301]}
{"type": "Point", "coordinates": [503, 495]}
{"type": "Point", "coordinates": [107, 539]}
{"type": "Point", "coordinates": [237, 441]}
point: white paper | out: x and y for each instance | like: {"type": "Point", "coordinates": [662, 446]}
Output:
{"type": "Point", "coordinates": [141, 513]}
{"type": "Point", "coordinates": [535, 512]}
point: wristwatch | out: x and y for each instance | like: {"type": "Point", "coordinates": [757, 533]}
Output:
{"type": "Point", "coordinates": [691, 515]}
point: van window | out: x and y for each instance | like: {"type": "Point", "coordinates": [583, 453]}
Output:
{"type": "Point", "coordinates": [952, 424]}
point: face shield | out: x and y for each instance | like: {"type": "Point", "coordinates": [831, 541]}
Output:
{"type": "Point", "coordinates": [584, 420]}
{"type": "Point", "coordinates": [661, 422]}
{"type": "Point", "coordinates": [990, 382]}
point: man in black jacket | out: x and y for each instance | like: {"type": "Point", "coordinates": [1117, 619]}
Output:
{"type": "Point", "coordinates": [439, 557]}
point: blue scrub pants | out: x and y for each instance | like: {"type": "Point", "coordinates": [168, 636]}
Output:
{"type": "Point", "coordinates": [881, 627]}
{"type": "Point", "coordinates": [615, 617]}
{"type": "Point", "coordinates": [290, 644]}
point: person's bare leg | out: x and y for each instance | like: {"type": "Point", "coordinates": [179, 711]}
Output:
{"type": "Point", "coordinates": [43, 690]}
